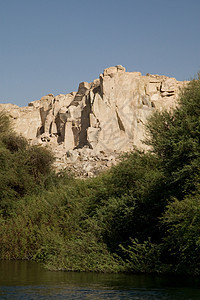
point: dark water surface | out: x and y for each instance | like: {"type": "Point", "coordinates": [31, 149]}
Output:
{"type": "Point", "coordinates": [28, 280]}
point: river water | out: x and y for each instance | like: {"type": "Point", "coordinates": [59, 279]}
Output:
{"type": "Point", "coordinates": [28, 280]}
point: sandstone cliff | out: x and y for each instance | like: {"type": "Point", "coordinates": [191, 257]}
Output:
{"type": "Point", "coordinates": [104, 117]}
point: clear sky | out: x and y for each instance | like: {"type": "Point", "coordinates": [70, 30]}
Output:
{"type": "Point", "coordinates": [50, 46]}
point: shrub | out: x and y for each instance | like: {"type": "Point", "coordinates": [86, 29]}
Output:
{"type": "Point", "coordinates": [181, 241]}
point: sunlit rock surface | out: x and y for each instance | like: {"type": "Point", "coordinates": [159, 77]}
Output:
{"type": "Point", "coordinates": [88, 129]}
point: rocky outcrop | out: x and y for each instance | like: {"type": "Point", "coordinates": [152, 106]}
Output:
{"type": "Point", "coordinates": [104, 116]}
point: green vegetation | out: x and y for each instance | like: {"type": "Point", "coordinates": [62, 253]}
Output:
{"type": "Point", "coordinates": [141, 216]}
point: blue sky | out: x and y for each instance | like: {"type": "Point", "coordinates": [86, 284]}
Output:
{"type": "Point", "coordinates": [49, 46]}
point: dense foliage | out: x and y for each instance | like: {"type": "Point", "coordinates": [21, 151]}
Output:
{"type": "Point", "coordinates": [23, 168]}
{"type": "Point", "coordinates": [143, 215]}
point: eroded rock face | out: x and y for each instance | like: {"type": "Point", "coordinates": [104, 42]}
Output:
{"type": "Point", "coordinates": [105, 116]}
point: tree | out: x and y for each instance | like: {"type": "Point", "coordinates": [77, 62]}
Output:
{"type": "Point", "coordinates": [175, 138]}
{"type": "Point", "coordinates": [23, 168]}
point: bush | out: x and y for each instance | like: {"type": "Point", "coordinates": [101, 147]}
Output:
{"type": "Point", "coordinates": [128, 200]}
{"type": "Point", "coordinates": [14, 142]}
{"type": "Point", "coordinates": [5, 125]}
{"type": "Point", "coordinates": [142, 257]}
{"type": "Point", "coordinates": [182, 237]}
{"type": "Point", "coordinates": [39, 162]}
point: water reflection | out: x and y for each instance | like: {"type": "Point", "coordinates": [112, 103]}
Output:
{"type": "Point", "coordinates": [28, 280]}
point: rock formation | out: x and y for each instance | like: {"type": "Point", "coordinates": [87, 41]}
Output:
{"type": "Point", "coordinates": [104, 116]}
